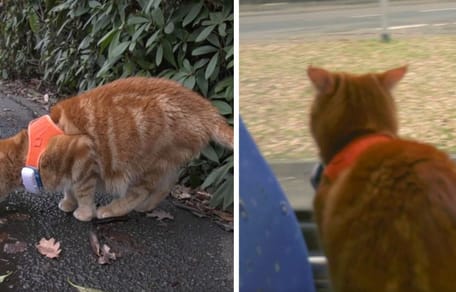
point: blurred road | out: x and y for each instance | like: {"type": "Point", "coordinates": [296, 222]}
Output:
{"type": "Point", "coordinates": [284, 20]}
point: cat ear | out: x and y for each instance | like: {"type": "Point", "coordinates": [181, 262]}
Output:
{"type": "Point", "coordinates": [321, 79]}
{"type": "Point", "coordinates": [390, 78]}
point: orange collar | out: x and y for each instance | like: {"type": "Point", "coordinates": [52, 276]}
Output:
{"type": "Point", "coordinates": [40, 131]}
{"type": "Point", "coordinates": [350, 153]}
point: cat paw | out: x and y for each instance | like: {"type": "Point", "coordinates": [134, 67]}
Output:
{"type": "Point", "coordinates": [67, 205]}
{"type": "Point", "coordinates": [84, 213]}
{"type": "Point", "coordinates": [103, 213]}
{"type": "Point", "coordinates": [143, 209]}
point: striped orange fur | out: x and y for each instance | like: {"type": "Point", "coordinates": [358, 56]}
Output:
{"type": "Point", "coordinates": [388, 221]}
{"type": "Point", "coordinates": [128, 138]}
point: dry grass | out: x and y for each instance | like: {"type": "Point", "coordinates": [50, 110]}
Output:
{"type": "Point", "coordinates": [275, 93]}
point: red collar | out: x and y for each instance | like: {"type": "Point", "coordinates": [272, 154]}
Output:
{"type": "Point", "coordinates": [40, 131]}
{"type": "Point", "coordinates": [350, 153]}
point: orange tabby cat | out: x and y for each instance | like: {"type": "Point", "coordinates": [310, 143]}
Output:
{"type": "Point", "coordinates": [386, 207]}
{"type": "Point", "coordinates": [128, 137]}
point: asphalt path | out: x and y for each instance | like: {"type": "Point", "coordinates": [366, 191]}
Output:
{"type": "Point", "coordinates": [291, 20]}
{"type": "Point", "coordinates": [185, 254]}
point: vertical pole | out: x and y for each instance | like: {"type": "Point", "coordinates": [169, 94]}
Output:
{"type": "Point", "coordinates": [385, 34]}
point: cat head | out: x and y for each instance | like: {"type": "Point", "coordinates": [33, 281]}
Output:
{"type": "Point", "coordinates": [348, 105]}
{"type": "Point", "coordinates": [12, 151]}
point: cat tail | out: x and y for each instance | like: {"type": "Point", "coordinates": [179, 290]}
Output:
{"type": "Point", "coordinates": [222, 133]}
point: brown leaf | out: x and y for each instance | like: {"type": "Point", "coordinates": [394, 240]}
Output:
{"type": "Point", "coordinates": [16, 247]}
{"type": "Point", "coordinates": [106, 255]}
{"type": "Point", "coordinates": [3, 221]}
{"type": "Point", "coordinates": [3, 236]}
{"type": "Point", "coordinates": [160, 214]}
{"type": "Point", "coordinates": [224, 215]}
{"type": "Point", "coordinates": [49, 248]}
{"type": "Point", "coordinates": [203, 195]}
{"type": "Point", "coordinates": [94, 243]}
{"type": "Point", "coordinates": [18, 217]}
{"type": "Point", "coordinates": [181, 193]}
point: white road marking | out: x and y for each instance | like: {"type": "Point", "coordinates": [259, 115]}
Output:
{"type": "Point", "coordinates": [365, 16]}
{"type": "Point", "coordinates": [408, 26]}
{"type": "Point", "coordinates": [438, 10]}
{"type": "Point", "coordinates": [275, 4]}
{"type": "Point", "coordinates": [441, 24]}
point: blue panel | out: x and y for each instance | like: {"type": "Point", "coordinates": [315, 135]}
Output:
{"type": "Point", "coordinates": [272, 251]}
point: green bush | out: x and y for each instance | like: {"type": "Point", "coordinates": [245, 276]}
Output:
{"type": "Point", "coordinates": [78, 45]}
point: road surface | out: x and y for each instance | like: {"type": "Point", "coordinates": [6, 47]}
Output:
{"type": "Point", "coordinates": [285, 20]}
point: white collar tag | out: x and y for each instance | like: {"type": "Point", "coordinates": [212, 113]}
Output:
{"type": "Point", "coordinates": [31, 180]}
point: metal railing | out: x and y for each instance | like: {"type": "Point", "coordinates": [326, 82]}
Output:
{"type": "Point", "coordinates": [317, 258]}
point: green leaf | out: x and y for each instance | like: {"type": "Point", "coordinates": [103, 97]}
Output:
{"type": "Point", "coordinates": [78, 12]}
{"type": "Point", "coordinates": [152, 38]}
{"type": "Point", "coordinates": [157, 16]}
{"type": "Point", "coordinates": [228, 193]}
{"type": "Point", "coordinates": [213, 39]}
{"type": "Point", "coordinates": [202, 82]}
{"type": "Point", "coordinates": [211, 66]}
{"type": "Point", "coordinates": [216, 17]}
{"type": "Point", "coordinates": [83, 289]}
{"type": "Point", "coordinates": [210, 153]}
{"type": "Point", "coordinates": [159, 56]}
{"type": "Point", "coordinates": [204, 33]}
{"type": "Point", "coordinates": [85, 43]}
{"type": "Point", "coordinates": [222, 29]}
{"type": "Point", "coordinates": [3, 277]}
{"type": "Point", "coordinates": [221, 85]}
{"type": "Point", "coordinates": [190, 82]}
{"type": "Point", "coordinates": [107, 66]}
{"type": "Point", "coordinates": [203, 50]}
{"type": "Point", "coordinates": [223, 107]}
{"type": "Point", "coordinates": [200, 63]}
{"type": "Point", "coordinates": [60, 7]}
{"type": "Point", "coordinates": [94, 4]}
{"type": "Point", "coordinates": [168, 52]}
{"type": "Point", "coordinates": [169, 28]}
{"type": "Point", "coordinates": [136, 20]}
{"type": "Point", "coordinates": [138, 32]}
{"type": "Point", "coordinates": [106, 39]}
{"type": "Point", "coordinates": [187, 65]}
{"type": "Point", "coordinates": [33, 21]}
{"type": "Point", "coordinates": [118, 50]}
{"type": "Point", "coordinates": [229, 52]}
{"type": "Point", "coordinates": [215, 177]}
{"type": "Point", "coordinates": [224, 194]}
{"type": "Point", "coordinates": [192, 14]}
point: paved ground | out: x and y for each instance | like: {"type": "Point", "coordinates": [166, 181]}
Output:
{"type": "Point", "coordinates": [186, 254]}
{"type": "Point", "coordinates": [279, 21]}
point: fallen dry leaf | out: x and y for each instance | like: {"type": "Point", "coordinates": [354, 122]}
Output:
{"type": "Point", "coordinates": [106, 255]}
{"type": "Point", "coordinates": [3, 277]}
{"type": "Point", "coordinates": [3, 221]}
{"type": "Point", "coordinates": [3, 236]}
{"type": "Point", "coordinates": [94, 243]}
{"type": "Point", "coordinates": [49, 248]}
{"type": "Point", "coordinates": [181, 192]}
{"type": "Point", "coordinates": [16, 247]}
{"type": "Point", "coordinates": [18, 217]}
{"type": "Point", "coordinates": [160, 214]}
{"type": "Point", "coordinates": [224, 215]}
{"type": "Point", "coordinates": [83, 289]}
